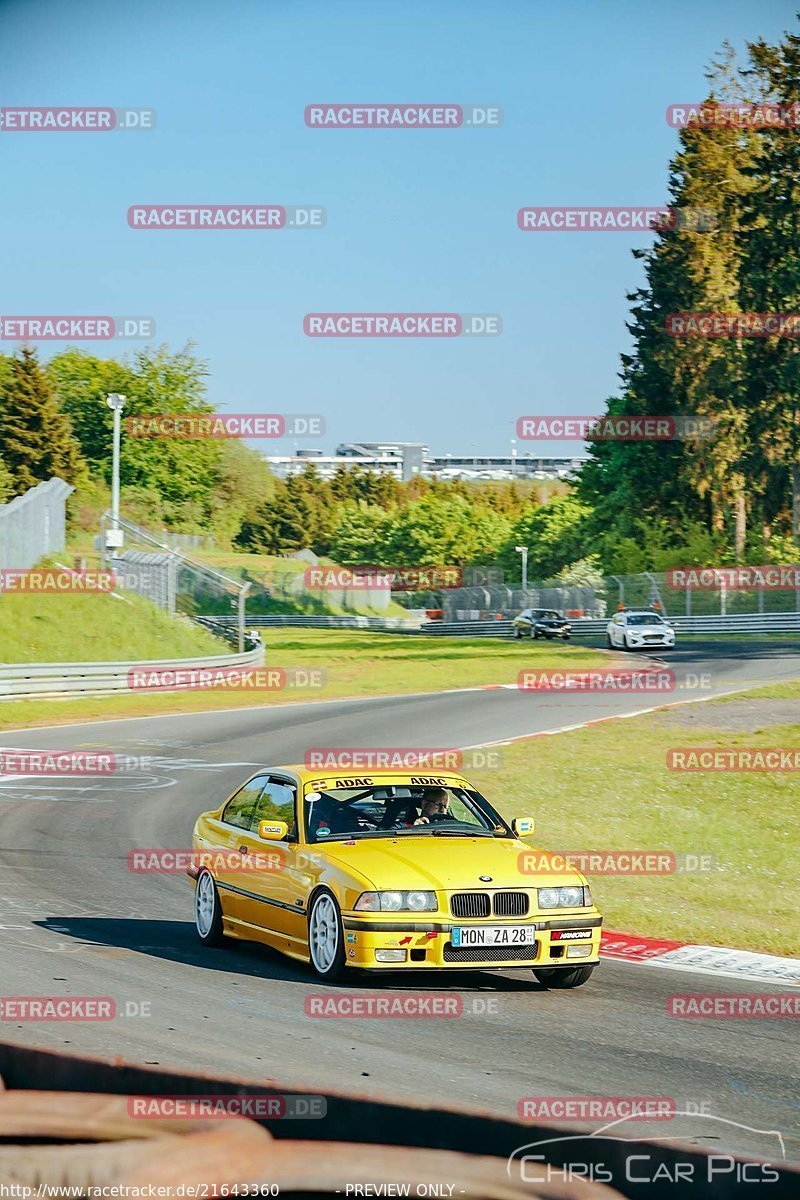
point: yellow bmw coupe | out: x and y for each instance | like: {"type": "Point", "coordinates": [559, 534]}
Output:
{"type": "Point", "coordinates": [390, 870]}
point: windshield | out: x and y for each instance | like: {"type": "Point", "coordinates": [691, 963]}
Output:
{"type": "Point", "coordinates": [644, 619]}
{"type": "Point", "coordinates": [389, 811]}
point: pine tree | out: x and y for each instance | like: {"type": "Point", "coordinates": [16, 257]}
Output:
{"type": "Point", "coordinates": [36, 440]}
{"type": "Point", "coordinates": [771, 283]}
{"type": "Point", "coordinates": [694, 267]}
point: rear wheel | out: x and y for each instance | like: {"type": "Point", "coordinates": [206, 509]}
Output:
{"type": "Point", "coordinates": [564, 977]}
{"type": "Point", "coordinates": [208, 911]}
{"type": "Point", "coordinates": [326, 937]}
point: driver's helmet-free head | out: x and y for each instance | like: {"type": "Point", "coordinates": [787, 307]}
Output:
{"type": "Point", "coordinates": [436, 796]}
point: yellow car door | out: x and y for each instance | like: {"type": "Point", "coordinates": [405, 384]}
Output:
{"type": "Point", "coordinates": [274, 896]}
{"type": "Point", "coordinates": [230, 833]}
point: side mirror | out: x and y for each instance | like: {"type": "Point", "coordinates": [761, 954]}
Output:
{"type": "Point", "coordinates": [523, 826]}
{"type": "Point", "coordinates": [273, 831]}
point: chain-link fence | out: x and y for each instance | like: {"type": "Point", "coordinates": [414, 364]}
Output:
{"type": "Point", "coordinates": [704, 592]}
{"type": "Point", "coordinates": [151, 568]}
{"type": "Point", "coordinates": [33, 525]}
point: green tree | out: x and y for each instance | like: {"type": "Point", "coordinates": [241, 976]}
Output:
{"type": "Point", "coordinates": [360, 538]}
{"type": "Point", "coordinates": [771, 283]}
{"type": "Point", "coordinates": [689, 269]}
{"type": "Point", "coordinates": [444, 529]}
{"type": "Point", "coordinates": [35, 434]}
{"type": "Point", "coordinates": [555, 535]}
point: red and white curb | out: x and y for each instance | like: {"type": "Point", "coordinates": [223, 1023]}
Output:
{"type": "Point", "coordinates": [701, 960]}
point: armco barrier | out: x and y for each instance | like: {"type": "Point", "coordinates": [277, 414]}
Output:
{"type": "Point", "coordinates": [37, 680]}
{"type": "Point", "coordinates": [385, 624]}
{"type": "Point", "coordinates": [745, 623]}
{"type": "Point", "coordinates": [740, 623]}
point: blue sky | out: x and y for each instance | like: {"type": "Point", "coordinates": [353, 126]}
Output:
{"type": "Point", "coordinates": [418, 221]}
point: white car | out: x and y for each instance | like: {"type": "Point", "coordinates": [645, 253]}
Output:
{"type": "Point", "coordinates": [639, 629]}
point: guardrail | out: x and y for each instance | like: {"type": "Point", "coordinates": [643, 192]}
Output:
{"type": "Point", "coordinates": [737, 623]}
{"type": "Point", "coordinates": [385, 624]}
{"type": "Point", "coordinates": [40, 680]}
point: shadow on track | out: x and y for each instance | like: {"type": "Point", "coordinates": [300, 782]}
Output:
{"type": "Point", "coordinates": [176, 941]}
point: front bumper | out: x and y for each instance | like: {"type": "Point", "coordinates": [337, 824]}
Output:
{"type": "Point", "coordinates": [427, 944]}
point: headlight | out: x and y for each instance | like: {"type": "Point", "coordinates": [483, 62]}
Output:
{"type": "Point", "coordinates": [564, 897]}
{"type": "Point", "coordinates": [396, 902]}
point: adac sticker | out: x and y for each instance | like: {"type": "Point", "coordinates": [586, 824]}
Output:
{"type": "Point", "coordinates": [351, 937]}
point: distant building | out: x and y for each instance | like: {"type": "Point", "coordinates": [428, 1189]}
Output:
{"type": "Point", "coordinates": [404, 460]}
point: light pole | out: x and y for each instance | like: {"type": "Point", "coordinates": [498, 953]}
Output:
{"type": "Point", "coordinates": [513, 458]}
{"type": "Point", "coordinates": [116, 402]}
{"type": "Point", "coordinates": [523, 550]}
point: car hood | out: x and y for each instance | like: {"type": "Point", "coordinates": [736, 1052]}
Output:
{"type": "Point", "coordinates": [427, 863]}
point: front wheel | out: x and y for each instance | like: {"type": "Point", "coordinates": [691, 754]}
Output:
{"type": "Point", "coordinates": [564, 977]}
{"type": "Point", "coordinates": [208, 911]}
{"type": "Point", "coordinates": [517, 632]}
{"type": "Point", "coordinates": [609, 642]}
{"type": "Point", "coordinates": [326, 937]}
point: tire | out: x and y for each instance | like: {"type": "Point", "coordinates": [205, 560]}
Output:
{"type": "Point", "coordinates": [208, 911]}
{"type": "Point", "coordinates": [534, 635]}
{"type": "Point", "coordinates": [326, 938]}
{"type": "Point", "coordinates": [517, 632]}
{"type": "Point", "coordinates": [625, 643]}
{"type": "Point", "coordinates": [609, 642]}
{"type": "Point", "coordinates": [564, 977]}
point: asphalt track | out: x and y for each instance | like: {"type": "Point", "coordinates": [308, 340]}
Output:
{"type": "Point", "coordinates": [75, 921]}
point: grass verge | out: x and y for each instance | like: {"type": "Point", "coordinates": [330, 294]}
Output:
{"type": "Point", "coordinates": [356, 663]}
{"type": "Point", "coordinates": [96, 627]}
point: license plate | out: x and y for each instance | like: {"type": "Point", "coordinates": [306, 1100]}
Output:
{"type": "Point", "coordinates": [493, 935]}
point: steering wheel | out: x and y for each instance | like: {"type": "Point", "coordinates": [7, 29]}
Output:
{"type": "Point", "coordinates": [438, 817]}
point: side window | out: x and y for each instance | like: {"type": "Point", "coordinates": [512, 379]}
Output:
{"type": "Point", "coordinates": [239, 809]}
{"type": "Point", "coordinates": [277, 800]}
